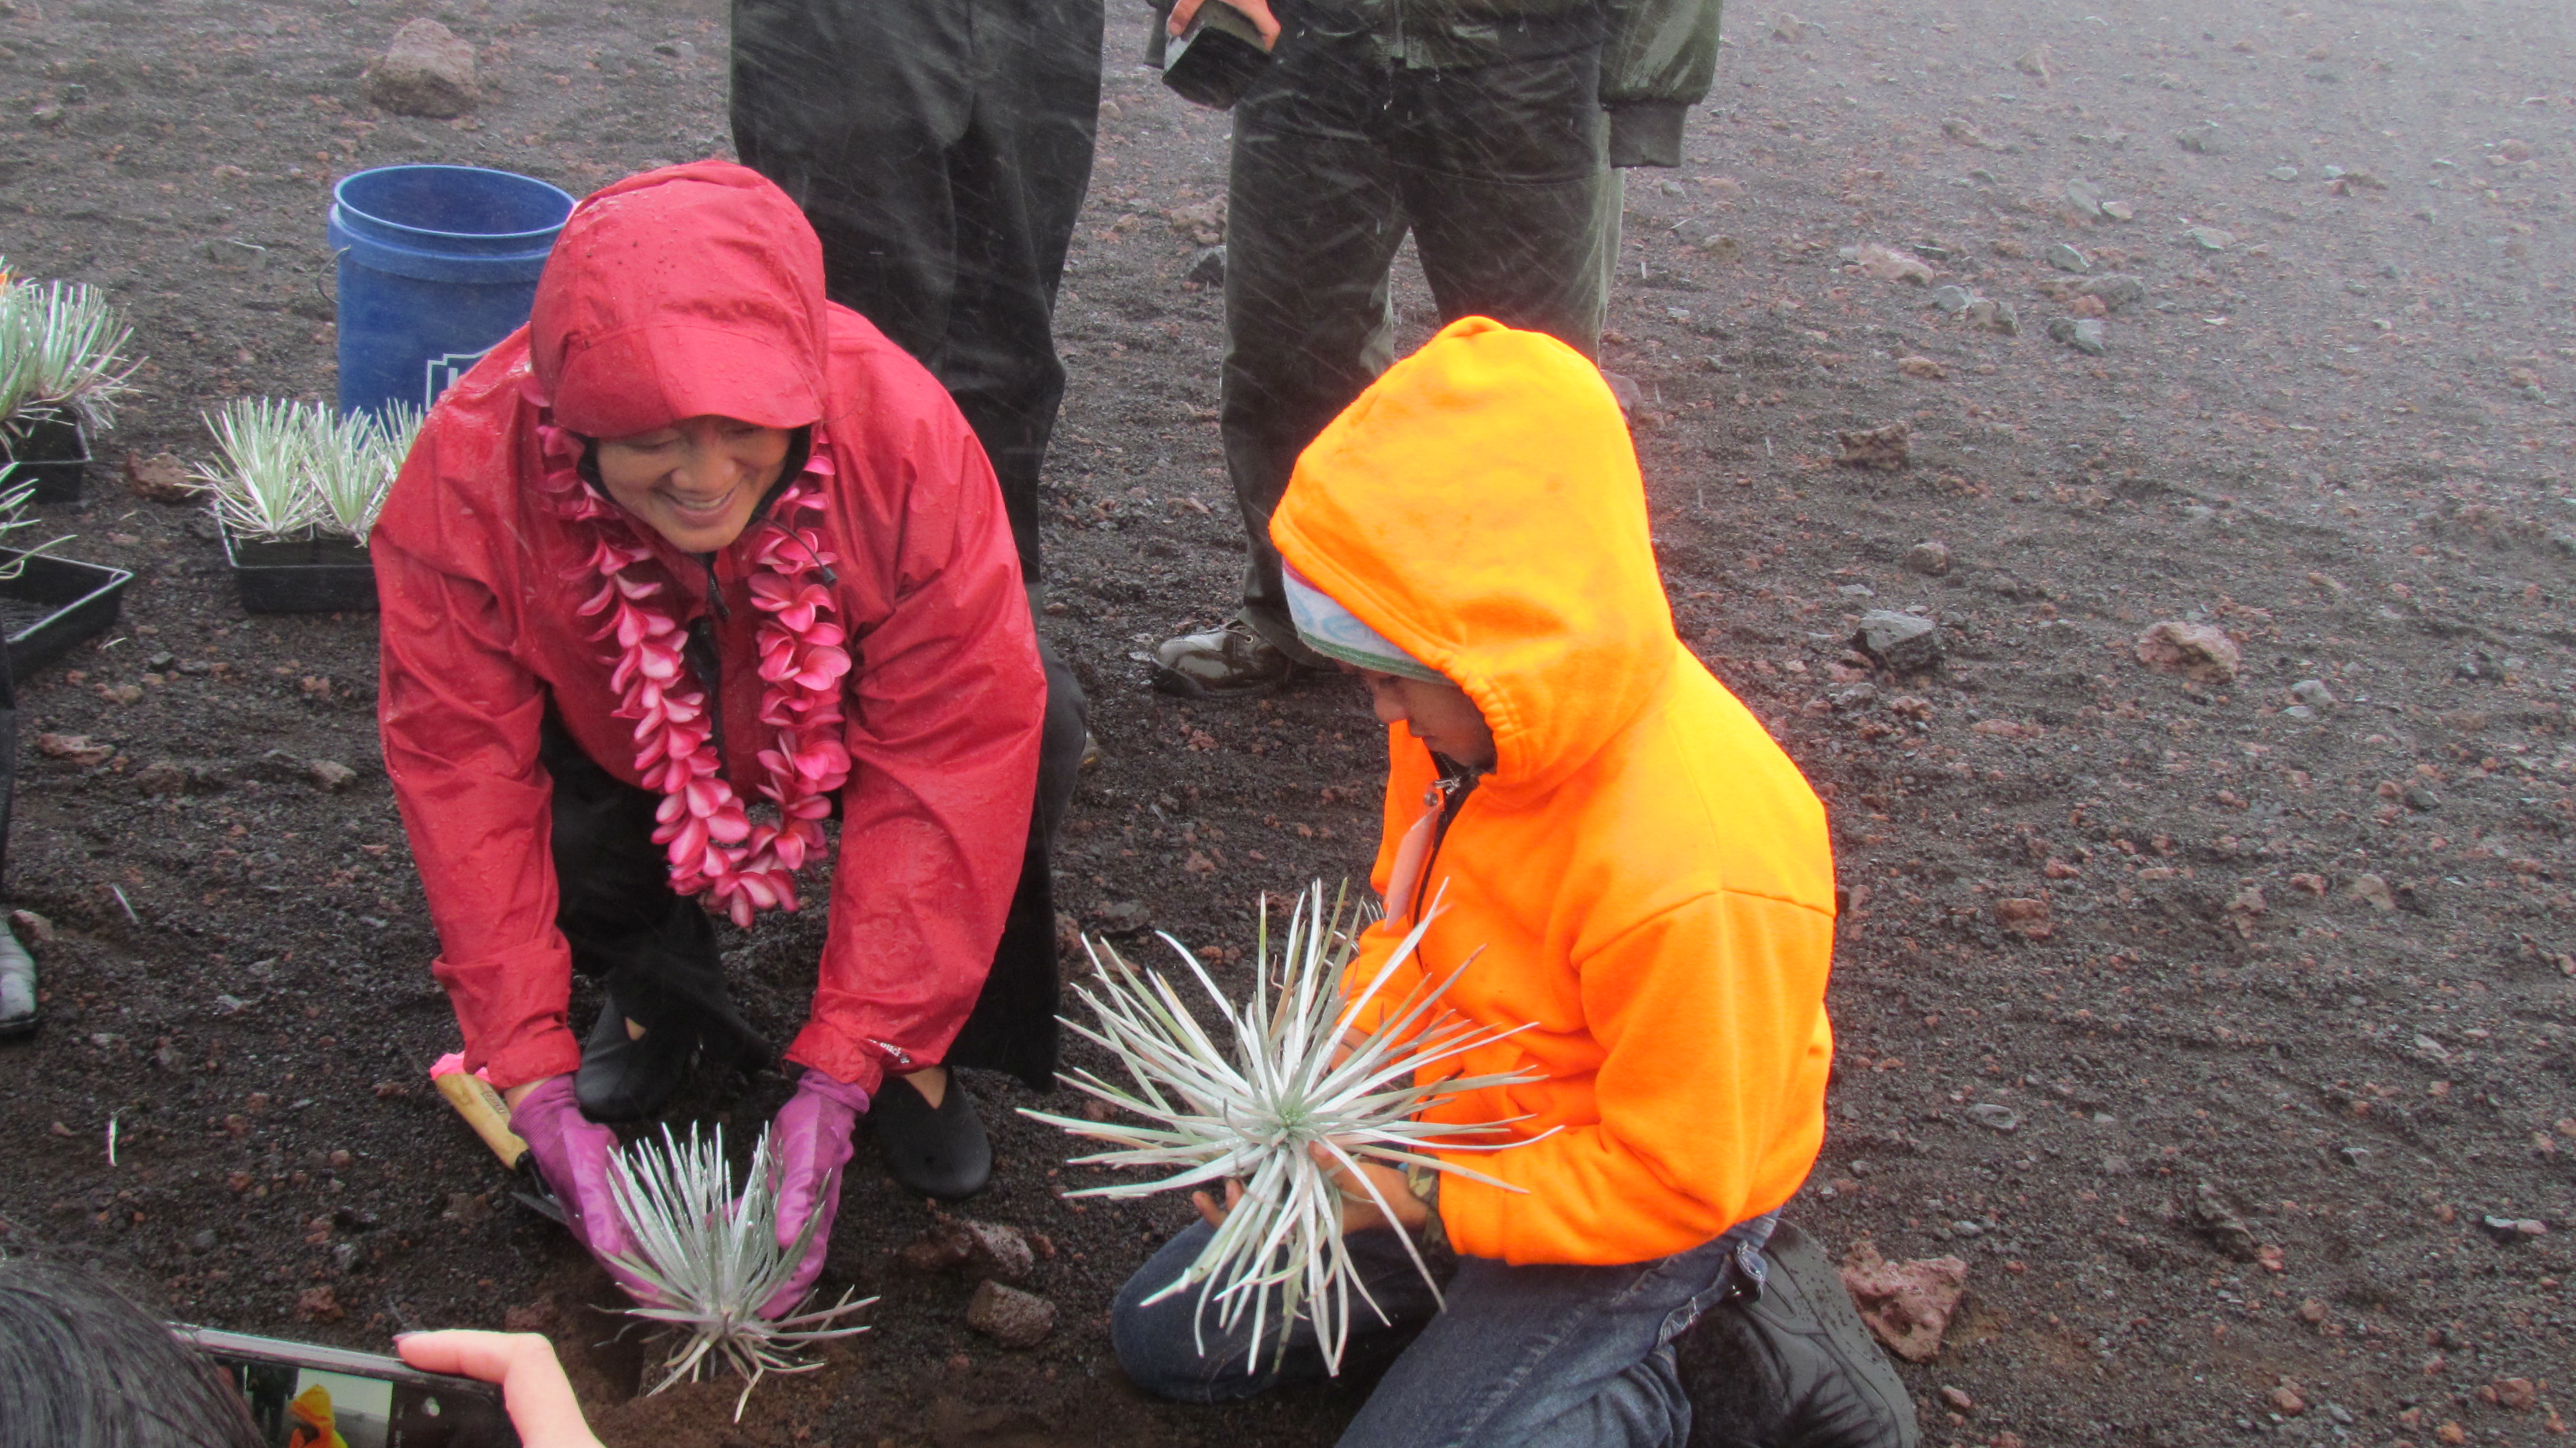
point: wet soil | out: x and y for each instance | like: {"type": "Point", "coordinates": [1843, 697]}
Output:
{"type": "Point", "coordinates": [2309, 973]}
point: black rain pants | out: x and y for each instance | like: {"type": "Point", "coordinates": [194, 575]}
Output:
{"type": "Point", "coordinates": [941, 148]}
{"type": "Point", "coordinates": [1499, 172]}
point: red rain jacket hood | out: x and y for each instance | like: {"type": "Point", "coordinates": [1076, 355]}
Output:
{"type": "Point", "coordinates": [694, 290]}
{"type": "Point", "coordinates": [691, 291]}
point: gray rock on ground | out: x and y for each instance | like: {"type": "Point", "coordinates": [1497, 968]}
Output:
{"type": "Point", "coordinates": [2200, 652]}
{"type": "Point", "coordinates": [1904, 642]}
{"type": "Point", "coordinates": [1931, 558]}
{"type": "Point", "coordinates": [2086, 334]}
{"type": "Point", "coordinates": [426, 71]}
{"type": "Point", "coordinates": [1993, 316]}
{"type": "Point", "coordinates": [2206, 139]}
{"type": "Point", "coordinates": [2116, 290]}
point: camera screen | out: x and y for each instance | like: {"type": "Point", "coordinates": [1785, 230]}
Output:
{"type": "Point", "coordinates": [300, 1407]}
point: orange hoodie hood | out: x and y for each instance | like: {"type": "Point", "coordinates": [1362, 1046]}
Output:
{"type": "Point", "coordinates": [1479, 506]}
{"type": "Point", "coordinates": [1643, 880]}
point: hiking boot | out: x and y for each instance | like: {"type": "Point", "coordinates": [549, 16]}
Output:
{"type": "Point", "coordinates": [1231, 661]}
{"type": "Point", "coordinates": [1793, 1367]}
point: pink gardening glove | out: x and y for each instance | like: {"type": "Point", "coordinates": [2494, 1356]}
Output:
{"type": "Point", "coordinates": [574, 1153]}
{"type": "Point", "coordinates": [811, 1140]}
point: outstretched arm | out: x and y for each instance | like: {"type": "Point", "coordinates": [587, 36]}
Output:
{"type": "Point", "coordinates": [459, 719]}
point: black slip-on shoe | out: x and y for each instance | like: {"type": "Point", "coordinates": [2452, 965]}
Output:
{"type": "Point", "coordinates": [1794, 1367]}
{"type": "Point", "coordinates": [628, 1078]}
{"type": "Point", "coordinates": [932, 1151]}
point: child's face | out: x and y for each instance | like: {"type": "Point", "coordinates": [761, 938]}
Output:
{"type": "Point", "coordinates": [1440, 715]}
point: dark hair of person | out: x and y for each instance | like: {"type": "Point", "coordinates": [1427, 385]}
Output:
{"type": "Point", "coordinates": [82, 1367]}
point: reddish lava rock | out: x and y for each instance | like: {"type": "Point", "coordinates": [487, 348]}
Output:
{"type": "Point", "coordinates": [1906, 1304]}
{"type": "Point", "coordinates": [2025, 918]}
{"type": "Point", "coordinates": [1009, 1316]}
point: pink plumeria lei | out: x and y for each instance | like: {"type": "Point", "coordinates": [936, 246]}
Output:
{"type": "Point", "coordinates": [714, 845]}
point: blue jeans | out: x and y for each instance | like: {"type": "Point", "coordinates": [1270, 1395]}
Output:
{"type": "Point", "coordinates": [1524, 1357]}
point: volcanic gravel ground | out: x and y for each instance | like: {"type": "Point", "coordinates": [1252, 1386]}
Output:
{"type": "Point", "coordinates": [2126, 957]}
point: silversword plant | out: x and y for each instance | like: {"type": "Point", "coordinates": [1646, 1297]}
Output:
{"type": "Point", "coordinates": [1288, 1106]}
{"type": "Point", "coordinates": [296, 469]}
{"type": "Point", "coordinates": [711, 1258]}
{"type": "Point", "coordinates": [62, 351]}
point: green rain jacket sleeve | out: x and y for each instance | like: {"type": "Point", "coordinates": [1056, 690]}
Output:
{"type": "Point", "coordinates": [1656, 60]}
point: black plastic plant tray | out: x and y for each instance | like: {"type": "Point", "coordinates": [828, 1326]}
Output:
{"type": "Point", "coordinates": [304, 575]}
{"type": "Point", "coordinates": [52, 453]}
{"type": "Point", "coordinates": [55, 603]}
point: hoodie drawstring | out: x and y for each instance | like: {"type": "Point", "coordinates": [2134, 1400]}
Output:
{"type": "Point", "coordinates": [1421, 842]}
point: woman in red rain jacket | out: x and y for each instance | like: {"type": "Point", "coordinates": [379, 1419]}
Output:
{"type": "Point", "coordinates": [691, 563]}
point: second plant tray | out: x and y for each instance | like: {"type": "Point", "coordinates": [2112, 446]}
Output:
{"type": "Point", "coordinates": [304, 575]}
{"type": "Point", "coordinates": [53, 604]}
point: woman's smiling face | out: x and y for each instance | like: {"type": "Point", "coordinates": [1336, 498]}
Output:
{"type": "Point", "coordinates": [697, 481]}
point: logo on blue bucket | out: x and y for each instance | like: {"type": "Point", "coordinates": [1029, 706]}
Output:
{"type": "Point", "coordinates": [445, 369]}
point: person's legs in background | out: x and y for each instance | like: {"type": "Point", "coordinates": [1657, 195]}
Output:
{"type": "Point", "coordinates": [941, 152]}
{"type": "Point", "coordinates": [1313, 221]}
{"type": "Point", "coordinates": [1019, 175]}
{"type": "Point", "coordinates": [1508, 191]}
{"type": "Point", "coordinates": [1498, 170]}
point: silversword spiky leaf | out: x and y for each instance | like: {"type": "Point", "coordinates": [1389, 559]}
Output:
{"type": "Point", "coordinates": [1294, 1100]}
{"type": "Point", "coordinates": [711, 1258]}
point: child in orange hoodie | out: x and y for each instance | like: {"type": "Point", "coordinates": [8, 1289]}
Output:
{"type": "Point", "coordinates": [1640, 874]}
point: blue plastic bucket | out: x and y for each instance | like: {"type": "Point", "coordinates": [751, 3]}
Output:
{"type": "Point", "coordinates": [437, 263]}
